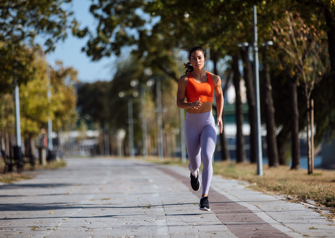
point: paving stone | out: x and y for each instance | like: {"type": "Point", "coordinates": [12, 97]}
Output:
{"type": "Point", "coordinates": [103, 197]}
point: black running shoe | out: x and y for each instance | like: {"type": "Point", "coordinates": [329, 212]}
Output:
{"type": "Point", "coordinates": [204, 204]}
{"type": "Point", "coordinates": [195, 182]}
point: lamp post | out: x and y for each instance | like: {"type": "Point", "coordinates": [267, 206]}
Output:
{"type": "Point", "coordinates": [259, 156]}
{"type": "Point", "coordinates": [159, 119]}
{"type": "Point", "coordinates": [149, 83]}
{"type": "Point", "coordinates": [129, 99]}
{"type": "Point", "coordinates": [130, 123]}
{"type": "Point", "coordinates": [130, 127]}
{"type": "Point", "coordinates": [144, 124]}
{"type": "Point", "coordinates": [50, 146]}
{"type": "Point", "coordinates": [17, 148]}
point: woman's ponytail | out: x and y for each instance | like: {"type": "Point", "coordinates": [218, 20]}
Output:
{"type": "Point", "coordinates": [188, 67]}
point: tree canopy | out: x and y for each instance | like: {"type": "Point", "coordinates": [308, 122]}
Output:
{"type": "Point", "coordinates": [21, 22]}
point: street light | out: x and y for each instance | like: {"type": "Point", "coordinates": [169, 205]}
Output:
{"type": "Point", "coordinates": [159, 119]}
{"type": "Point", "coordinates": [259, 156]}
{"type": "Point", "coordinates": [130, 123]}
{"type": "Point", "coordinates": [50, 146]}
{"type": "Point", "coordinates": [267, 44]}
{"type": "Point", "coordinates": [17, 148]}
{"type": "Point", "coordinates": [149, 83]}
{"type": "Point", "coordinates": [129, 99]}
{"type": "Point", "coordinates": [243, 45]}
{"type": "Point", "coordinates": [258, 116]}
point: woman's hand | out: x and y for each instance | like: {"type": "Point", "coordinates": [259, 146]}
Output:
{"type": "Point", "coordinates": [196, 104]}
{"type": "Point", "coordinates": [219, 123]}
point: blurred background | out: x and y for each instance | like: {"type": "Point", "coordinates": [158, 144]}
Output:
{"type": "Point", "coordinates": [99, 78]}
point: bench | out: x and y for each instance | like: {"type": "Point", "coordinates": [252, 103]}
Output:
{"type": "Point", "coordinates": [18, 161]}
{"type": "Point", "coordinates": [9, 163]}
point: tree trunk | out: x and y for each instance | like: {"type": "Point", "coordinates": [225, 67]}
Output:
{"type": "Point", "coordinates": [27, 146]}
{"type": "Point", "coordinates": [2, 142]}
{"type": "Point", "coordinates": [308, 116]}
{"type": "Point", "coordinates": [330, 21]}
{"type": "Point", "coordinates": [248, 78]}
{"type": "Point", "coordinates": [222, 136]}
{"type": "Point", "coordinates": [295, 143]}
{"type": "Point", "coordinates": [240, 153]}
{"type": "Point", "coordinates": [32, 145]}
{"type": "Point", "coordinates": [7, 142]}
{"type": "Point", "coordinates": [282, 139]}
{"type": "Point", "coordinates": [269, 116]}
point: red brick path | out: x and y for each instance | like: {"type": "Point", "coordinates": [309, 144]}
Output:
{"type": "Point", "coordinates": [241, 221]}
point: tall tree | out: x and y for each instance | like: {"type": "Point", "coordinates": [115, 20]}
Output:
{"type": "Point", "coordinates": [21, 22]}
{"type": "Point", "coordinates": [223, 141]}
{"type": "Point", "coordinates": [248, 79]}
{"type": "Point", "coordinates": [269, 113]}
{"type": "Point", "coordinates": [93, 101]}
{"type": "Point", "coordinates": [304, 45]}
{"type": "Point", "coordinates": [64, 97]}
{"type": "Point", "coordinates": [326, 22]}
{"type": "Point", "coordinates": [240, 153]}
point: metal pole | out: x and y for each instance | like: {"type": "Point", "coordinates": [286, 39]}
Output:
{"type": "Point", "coordinates": [257, 108]}
{"type": "Point", "coordinates": [159, 119]}
{"type": "Point", "coordinates": [17, 148]}
{"type": "Point", "coordinates": [50, 146]}
{"type": "Point", "coordinates": [144, 124]}
{"type": "Point", "coordinates": [130, 126]}
{"type": "Point", "coordinates": [182, 137]}
{"type": "Point", "coordinates": [17, 116]}
{"type": "Point", "coordinates": [106, 135]}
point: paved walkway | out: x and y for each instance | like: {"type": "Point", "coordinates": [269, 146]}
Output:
{"type": "Point", "coordinates": [131, 198]}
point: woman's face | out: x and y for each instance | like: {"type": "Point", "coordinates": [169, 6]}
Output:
{"type": "Point", "coordinates": [198, 59]}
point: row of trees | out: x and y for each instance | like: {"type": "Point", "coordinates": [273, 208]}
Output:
{"type": "Point", "coordinates": [35, 107]}
{"type": "Point", "coordinates": [22, 62]}
{"type": "Point", "coordinates": [299, 66]}
{"type": "Point", "coordinates": [99, 102]}
{"type": "Point", "coordinates": [301, 62]}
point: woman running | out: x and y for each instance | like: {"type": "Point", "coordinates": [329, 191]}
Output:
{"type": "Point", "coordinates": [197, 86]}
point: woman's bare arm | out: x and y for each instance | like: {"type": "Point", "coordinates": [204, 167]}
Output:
{"type": "Point", "coordinates": [219, 100]}
{"type": "Point", "coordinates": [181, 94]}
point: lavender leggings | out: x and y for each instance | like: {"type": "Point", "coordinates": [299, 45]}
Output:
{"type": "Point", "coordinates": [200, 136]}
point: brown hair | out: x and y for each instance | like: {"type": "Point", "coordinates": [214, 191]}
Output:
{"type": "Point", "coordinates": [188, 66]}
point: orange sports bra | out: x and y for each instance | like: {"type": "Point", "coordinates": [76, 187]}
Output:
{"type": "Point", "coordinates": [196, 90]}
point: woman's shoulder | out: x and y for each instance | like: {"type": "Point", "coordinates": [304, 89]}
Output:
{"type": "Point", "coordinates": [215, 78]}
{"type": "Point", "coordinates": [184, 78]}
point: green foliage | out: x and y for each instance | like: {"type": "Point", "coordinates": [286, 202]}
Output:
{"type": "Point", "coordinates": [21, 21]}
{"type": "Point", "coordinates": [63, 99]}
{"type": "Point", "coordinates": [156, 29]}
{"type": "Point", "coordinates": [35, 107]}
{"type": "Point", "coordinates": [93, 101]}
{"type": "Point", "coordinates": [15, 65]}
{"type": "Point", "coordinates": [7, 119]}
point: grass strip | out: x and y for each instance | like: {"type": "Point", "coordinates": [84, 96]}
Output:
{"type": "Point", "coordinates": [12, 177]}
{"type": "Point", "coordinates": [297, 184]}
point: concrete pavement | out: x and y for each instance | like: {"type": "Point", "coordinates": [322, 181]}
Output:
{"type": "Point", "coordinates": [131, 198]}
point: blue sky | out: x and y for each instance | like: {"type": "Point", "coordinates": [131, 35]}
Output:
{"type": "Point", "coordinates": [70, 53]}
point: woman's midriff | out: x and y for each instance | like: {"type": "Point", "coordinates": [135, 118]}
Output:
{"type": "Point", "coordinates": [205, 107]}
